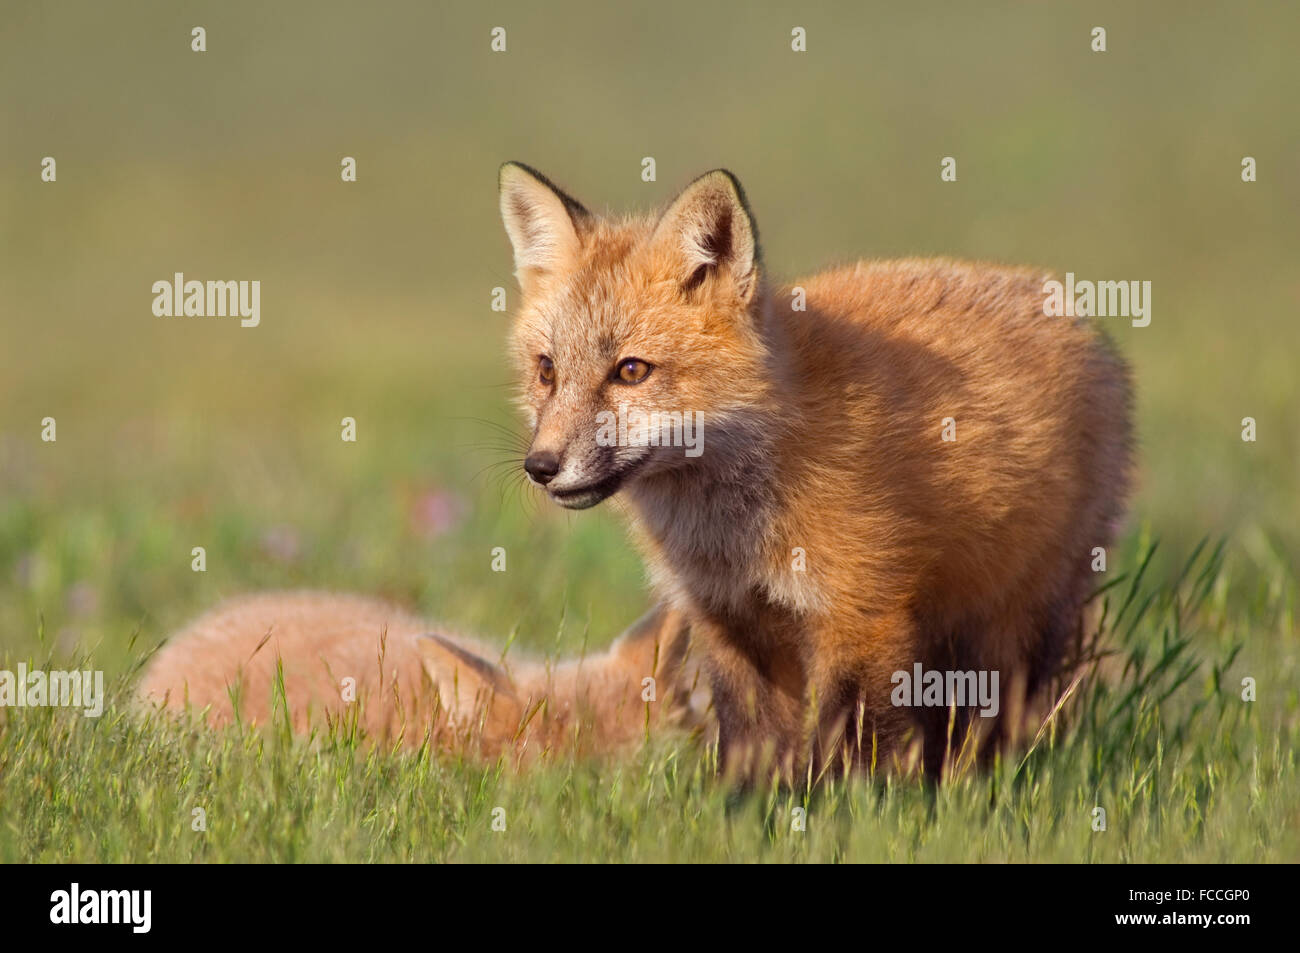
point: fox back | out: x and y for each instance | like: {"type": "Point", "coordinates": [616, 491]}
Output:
{"type": "Point", "coordinates": [322, 658]}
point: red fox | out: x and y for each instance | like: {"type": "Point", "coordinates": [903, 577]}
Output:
{"type": "Point", "coordinates": [905, 466]}
{"type": "Point", "coordinates": [407, 683]}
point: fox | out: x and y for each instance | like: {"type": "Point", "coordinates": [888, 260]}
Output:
{"type": "Point", "coordinates": [333, 659]}
{"type": "Point", "coordinates": [905, 463]}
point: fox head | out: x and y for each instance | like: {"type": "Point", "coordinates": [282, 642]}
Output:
{"type": "Point", "coordinates": [544, 703]}
{"type": "Point", "coordinates": [636, 339]}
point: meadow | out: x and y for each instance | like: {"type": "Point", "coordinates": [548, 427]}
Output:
{"type": "Point", "coordinates": [175, 433]}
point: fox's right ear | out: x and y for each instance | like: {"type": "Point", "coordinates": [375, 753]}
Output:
{"type": "Point", "coordinates": [543, 222]}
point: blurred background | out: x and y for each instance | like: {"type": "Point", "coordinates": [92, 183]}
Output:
{"type": "Point", "coordinates": [376, 295]}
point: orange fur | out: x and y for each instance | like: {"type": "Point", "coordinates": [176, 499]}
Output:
{"type": "Point", "coordinates": [411, 683]}
{"type": "Point", "coordinates": [823, 435]}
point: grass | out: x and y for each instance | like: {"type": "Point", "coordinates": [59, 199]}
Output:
{"type": "Point", "coordinates": [1184, 769]}
{"type": "Point", "coordinates": [177, 433]}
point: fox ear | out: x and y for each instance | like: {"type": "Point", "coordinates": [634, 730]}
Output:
{"type": "Point", "coordinates": [472, 691]}
{"type": "Point", "coordinates": [543, 222]}
{"type": "Point", "coordinates": [709, 230]}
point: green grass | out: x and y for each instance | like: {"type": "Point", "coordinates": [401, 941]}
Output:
{"type": "Point", "coordinates": [1183, 767]}
{"type": "Point", "coordinates": [176, 433]}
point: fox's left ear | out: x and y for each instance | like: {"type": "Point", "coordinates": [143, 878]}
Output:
{"type": "Point", "coordinates": [709, 230]}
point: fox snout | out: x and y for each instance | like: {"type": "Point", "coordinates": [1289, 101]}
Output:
{"type": "Point", "coordinates": [575, 477]}
{"type": "Point", "coordinates": [542, 465]}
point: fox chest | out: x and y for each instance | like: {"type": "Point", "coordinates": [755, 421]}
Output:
{"type": "Point", "coordinates": [726, 565]}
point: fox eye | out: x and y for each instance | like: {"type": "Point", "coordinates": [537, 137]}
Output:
{"type": "Point", "coordinates": [546, 369]}
{"type": "Point", "coordinates": [632, 371]}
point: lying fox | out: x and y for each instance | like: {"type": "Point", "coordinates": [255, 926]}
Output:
{"type": "Point", "coordinates": [905, 463]}
{"type": "Point", "coordinates": [326, 657]}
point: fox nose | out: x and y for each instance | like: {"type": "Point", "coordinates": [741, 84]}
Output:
{"type": "Point", "coordinates": [542, 466]}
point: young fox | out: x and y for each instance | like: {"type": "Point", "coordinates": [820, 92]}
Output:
{"type": "Point", "coordinates": [903, 463]}
{"type": "Point", "coordinates": [407, 683]}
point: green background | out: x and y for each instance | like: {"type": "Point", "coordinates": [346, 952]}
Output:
{"type": "Point", "coordinates": [183, 432]}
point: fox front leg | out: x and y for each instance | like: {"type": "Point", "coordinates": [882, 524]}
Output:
{"type": "Point", "coordinates": [758, 696]}
{"type": "Point", "coordinates": [855, 722]}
